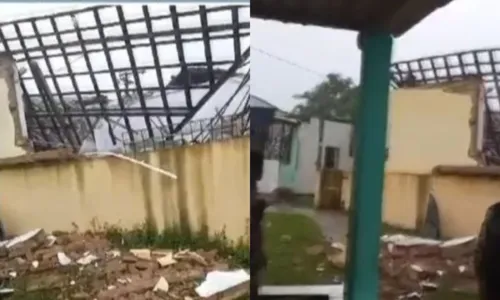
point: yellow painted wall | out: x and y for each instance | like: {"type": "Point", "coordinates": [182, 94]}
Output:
{"type": "Point", "coordinates": [463, 200]}
{"type": "Point", "coordinates": [212, 188]}
{"type": "Point", "coordinates": [429, 126]}
{"type": "Point", "coordinates": [400, 199]}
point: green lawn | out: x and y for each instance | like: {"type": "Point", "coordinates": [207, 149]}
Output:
{"type": "Point", "coordinates": [287, 240]}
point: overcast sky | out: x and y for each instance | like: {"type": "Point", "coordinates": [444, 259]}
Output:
{"type": "Point", "coordinates": [462, 25]}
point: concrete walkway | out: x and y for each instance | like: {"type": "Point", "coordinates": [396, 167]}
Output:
{"type": "Point", "coordinates": [333, 225]}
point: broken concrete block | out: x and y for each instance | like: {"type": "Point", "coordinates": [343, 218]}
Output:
{"type": "Point", "coordinates": [166, 260]}
{"type": "Point", "coordinates": [87, 259]}
{"type": "Point", "coordinates": [162, 285]}
{"type": "Point", "coordinates": [190, 256]}
{"type": "Point", "coordinates": [142, 253]}
{"type": "Point", "coordinates": [218, 282]}
{"type": "Point", "coordinates": [63, 259]}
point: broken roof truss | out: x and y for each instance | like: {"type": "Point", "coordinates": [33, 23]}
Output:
{"type": "Point", "coordinates": [483, 64]}
{"type": "Point", "coordinates": [119, 63]}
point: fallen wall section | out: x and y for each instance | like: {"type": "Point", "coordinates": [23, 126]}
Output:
{"type": "Point", "coordinates": [13, 129]}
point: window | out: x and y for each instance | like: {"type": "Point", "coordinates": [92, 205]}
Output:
{"type": "Point", "coordinates": [331, 157]}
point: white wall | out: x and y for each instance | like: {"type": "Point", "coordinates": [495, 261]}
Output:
{"type": "Point", "coordinates": [12, 120]}
{"type": "Point", "coordinates": [270, 176]}
{"type": "Point", "coordinates": [335, 134]}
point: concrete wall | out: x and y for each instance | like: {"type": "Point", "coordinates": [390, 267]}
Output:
{"type": "Point", "coordinates": [212, 188]}
{"type": "Point", "coordinates": [270, 177]}
{"type": "Point", "coordinates": [462, 200]}
{"type": "Point", "coordinates": [13, 128]}
{"type": "Point", "coordinates": [427, 127]}
{"type": "Point", "coordinates": [400, 200]}
{"type": "Point", "coordinates": [431, 126]}
{"type": "Point", "coordinates": [288, 171]}
{"type": "Point", "coordinates": [335, 134]}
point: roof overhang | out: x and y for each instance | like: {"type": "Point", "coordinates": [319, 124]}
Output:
{"type": "Point", "coordinates": [393, 16]}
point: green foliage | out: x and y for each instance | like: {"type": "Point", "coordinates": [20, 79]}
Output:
{"type": "Point", "coordinates": [333, 99]}
{"type": "Point", "coordinates": [175, 238]}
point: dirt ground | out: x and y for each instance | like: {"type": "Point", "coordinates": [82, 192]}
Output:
{"type": "Point", "coordinates": [88, 266]}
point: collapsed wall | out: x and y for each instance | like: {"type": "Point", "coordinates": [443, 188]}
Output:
{"type": "Point", "coordinates": [13, 129]}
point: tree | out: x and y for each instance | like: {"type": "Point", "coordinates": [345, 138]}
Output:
{"type": "Point", "coordinates": [333, 99]}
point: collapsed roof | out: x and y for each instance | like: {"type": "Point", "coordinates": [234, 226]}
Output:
{"type": "Point", "coordinates": [482, 63]}
{"type": "Point", "coordinates": [127, 69]}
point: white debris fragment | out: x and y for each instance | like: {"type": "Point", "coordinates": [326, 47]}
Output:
{"type": "Point", "coordinates": [13, 274]}
{"type": "Point", "coordinates": [114, 253]}
{"type": "Point", "coordinates": [413, 295]}
{"type": "Point", "coordinates": [122, 281]}
{"type": "Point", "coordinates": [87, 259]}
{"type": "Point", "coordinates": [338, 246]}
{"type": "Point", "coordinates": [4, 243]}
{"type": "Point", "coordinates": [63, 259]}
{"type": "Point", "coordinates": [162, 285]}
{"type": "Point", "coordinates": [6, 291]}
{"type": "Point", "coordinates": [23, 237]}
{"type": "Point", "coordinates": [416, 268]}
{"type": "Point", "coordinates": [405, 240]}
{"type": "Point", "coordinates": [218, 281]}
{"type": "Point", "coordinates": [462, 268]}
{"type": "Point", "coordinates": [51, 240]}
{"type": "Point", "coordinates": [72, 282]}
{"type": "Point", "coordinates": [428, 285]}
{"type": "Point", "coordinates": [189, 255]}
{"type": "Point", "coordinates": [111, 287]}
{"type": "Point", "coordinates": [457, 241]}
{"type": "Point", "coordinates": [35, 264]}
{"type": "Point", "coordinates": [166, 260]}
{"type": "Point", "coordinates": [142, 253]}
{"type": "Point", "coordinates": [181, 254]}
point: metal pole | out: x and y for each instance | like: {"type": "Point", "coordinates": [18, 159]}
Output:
{"type": "Point", "coordinates": [368, 174]}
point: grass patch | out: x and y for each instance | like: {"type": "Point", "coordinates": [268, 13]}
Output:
{"type": "Point", "coordinates": [238, 253]}
{"type": "Point", "coordinates": [287, 238]}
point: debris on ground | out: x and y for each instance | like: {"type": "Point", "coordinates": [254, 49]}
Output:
{"type": "Point", "coordinates": [412, 266]}
{"type": "Point", "coordinates": [218, 282]}
{"type": "Point", "coordinates": [87, 266]}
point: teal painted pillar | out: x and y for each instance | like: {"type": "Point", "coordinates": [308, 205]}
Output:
{"type": "Point", "coordinates": [368, 174]}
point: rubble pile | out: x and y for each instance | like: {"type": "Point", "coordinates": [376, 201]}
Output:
{"type": "Point", "coordinates": [86, 266]}
{"type": "Point", "coordinates": [411, 267]}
